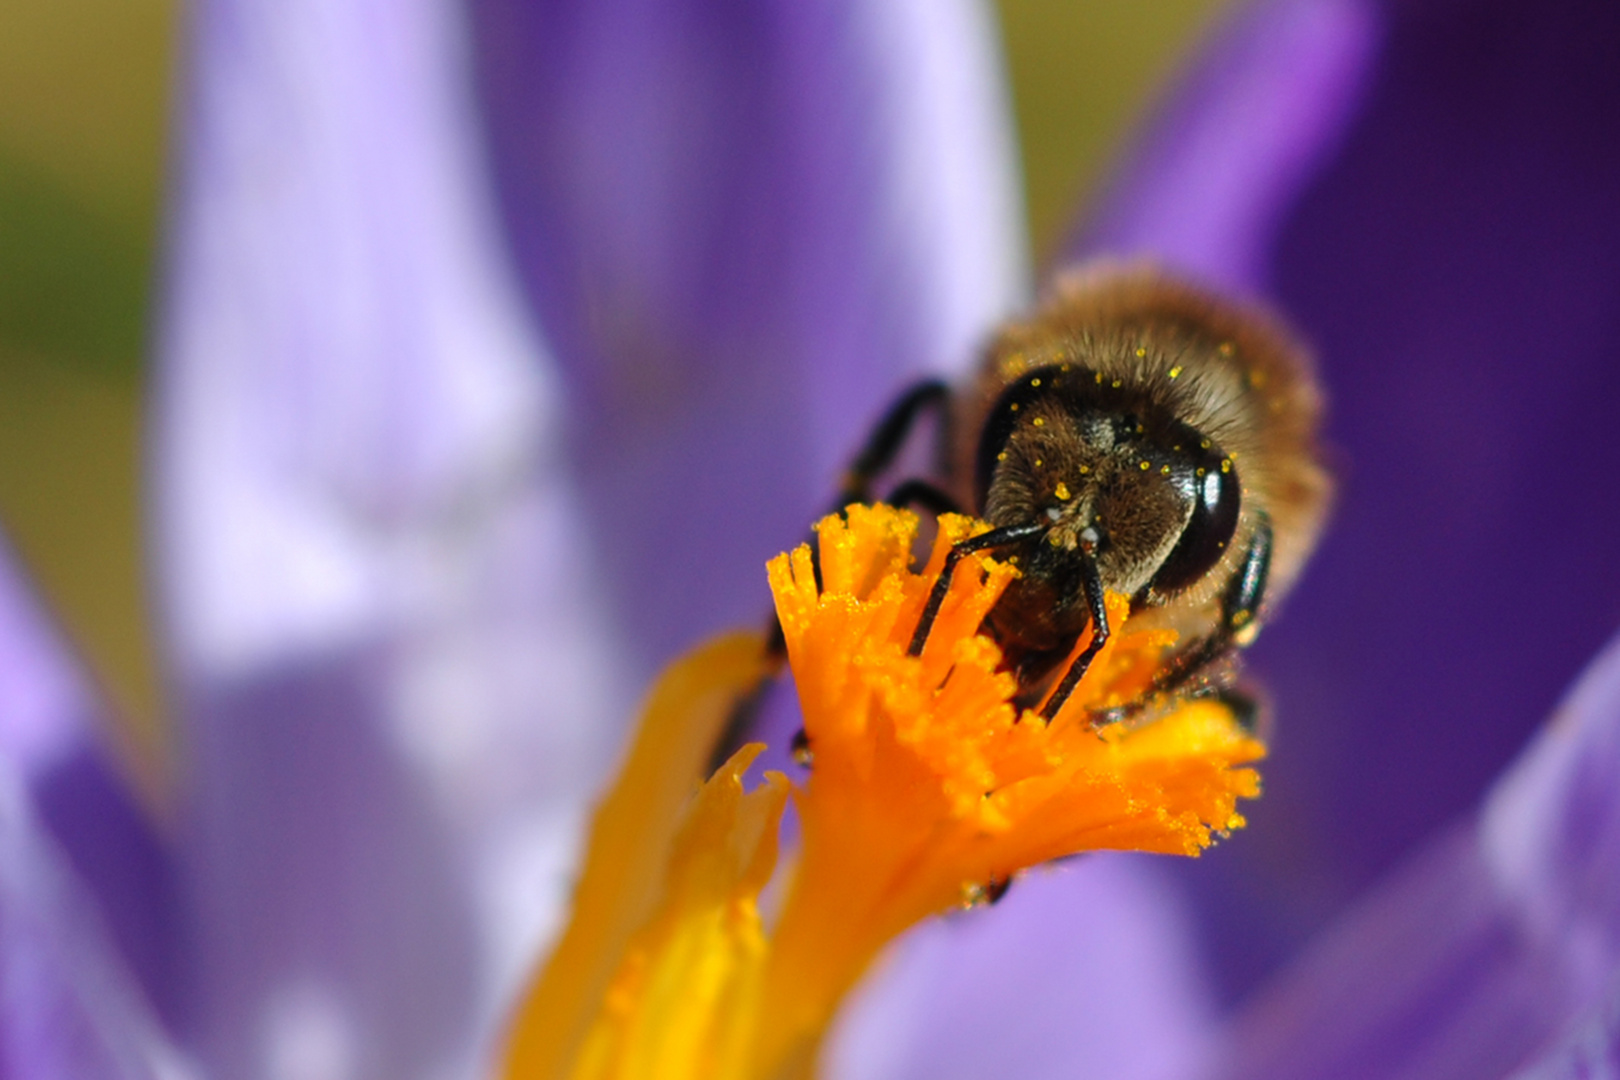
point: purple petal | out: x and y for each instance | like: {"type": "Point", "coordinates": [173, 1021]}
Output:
{"type": "Point", "coordinates": [1591, 1051]}
{"type": "Point", "coordinates": [1458, 266]}
{"type": "Point", "coordinates": [51, 737]}
{"type": "Point", "coordinates": [396, 693]}
{"type": "Point", "coordinates": [1088, 969]}
{"type": "Point", "coordinates": [69, 1010]}
{"type": "Point", "coordinates": [1446, 234]}
{"type": "Point", "coordinates": [1245, 130]}
{"type": "Point", "coordinates": [745, 226]}
{"type": "Point", "coordinates": [1215, 177]}
{"type": "Point", "coordinates": [1487, 951]}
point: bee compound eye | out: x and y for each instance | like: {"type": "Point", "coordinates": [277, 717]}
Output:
{"type": "Point", "coordinates": [1217, 498]}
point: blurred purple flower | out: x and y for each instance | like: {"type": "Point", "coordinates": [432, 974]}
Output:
{"type": "Point", "coordinates": [482, 317]}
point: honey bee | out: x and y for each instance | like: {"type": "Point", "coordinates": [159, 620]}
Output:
{"type": "Point", "coordinates": [1136, 435]}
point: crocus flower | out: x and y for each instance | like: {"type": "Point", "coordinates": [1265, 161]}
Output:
{"type": "Point", "coordinates": [930, 791]}
{"type": "Point", "coordinates": [504, 343]}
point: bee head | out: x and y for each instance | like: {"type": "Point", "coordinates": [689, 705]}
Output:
{"type": "Point", "coordinates": [1113, 476]}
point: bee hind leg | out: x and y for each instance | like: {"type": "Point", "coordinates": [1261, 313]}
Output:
{"type": "Point", "coordinates": [1247, 707]}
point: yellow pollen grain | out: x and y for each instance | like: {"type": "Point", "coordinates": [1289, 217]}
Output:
{"type": "Point", "coordinates": [1204, 444]}
{"type": "Point", "coordinates": [1175, 372]}
{"type": "Point", "coordinates": [1226, 466]}
{"type": "Point", "coordinates": [1013, 406]}
{"type": "Point", "coordinates": [1227, 348]}
{"type": "Point", "coordinates": [1064, 369]}
{"type": "Point", "coordinates": [1039, 463]}
{"type": "Point", "coordinates": [1003, 457]}
{"type": "Point", "coordinates": [1061, 491]}
{"type": "Point", "coordinates": [1085, 470]}
{"type": "Point", "coordinates": [1146, 465]}
{"type": "Point", "coordinates": [1164, 470]}
{"type": "Point", "coordinates": [1099, 378]}
{"type": "Point", "coordinates": [1200, 472]}
{"type": "Point", "coordinates": [1039, 422]}
{"type": "Point", "coordinates": [1141, 351]}
{"type": "Point", "coordinates": [1054, 539]}
{"type": "Point", "coordinates": [1034, 382]}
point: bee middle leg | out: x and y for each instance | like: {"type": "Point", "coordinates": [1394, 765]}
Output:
{"type": "Point", "coordinates": [882, 446]}
{"type": "Point", "coordinates": [922, 493]}
{"type": "Point", "coordinates": [884, 443]}
{"type": "Point", "coordinates": [1240, 607]}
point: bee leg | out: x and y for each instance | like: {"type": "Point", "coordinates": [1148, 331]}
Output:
{"type": "Point", "coordinates": [922, 493]}
{"type": "Point", "coordinates": [995, 538]}
{"type": "Point", "coordinates": [1247, 708]}
{"type": "Point", "coordinates": [746, 709]}
{"type": "Point", "coordinates": [908, 493]}
{"type": "Point", "coordinates": [1095, 599]}
{"type": "Point", "coordinates": [887, 439]}
{"type": "Point", "coordinates": [880, 450]}
{"type": "Point", "coordinates": [1239, 607]}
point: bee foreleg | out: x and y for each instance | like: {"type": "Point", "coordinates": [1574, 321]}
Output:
{"type": "Point", "coordinates": [1095, 599]}
{"type": "Point", "coordinates": [995, 538]}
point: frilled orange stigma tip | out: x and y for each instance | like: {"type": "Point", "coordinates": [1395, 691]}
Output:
{"type": "Point", "coordinates": [926, 787]}
{"type": "Point", "coordinates": [927, 784]}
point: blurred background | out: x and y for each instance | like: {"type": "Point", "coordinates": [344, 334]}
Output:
{"type": "Point", "coordinates": [85, 93]}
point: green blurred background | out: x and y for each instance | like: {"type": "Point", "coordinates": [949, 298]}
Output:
{"type": "Point", "coordinates": [85, 91]}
